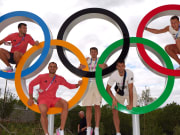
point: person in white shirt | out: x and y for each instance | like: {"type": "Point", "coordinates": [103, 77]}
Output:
{"type": "Point", "coordinates": [125, 90]}
{"type": "Point", "coordinates": [93, 97]}
{"type": "Point", "coordinates": [174, 29]}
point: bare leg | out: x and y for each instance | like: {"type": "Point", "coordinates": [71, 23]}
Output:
{"type": "Point", "coordinates": [88, 115]}
{"type": "Point", "coordinates": [116, 120]}
{"type": "Point", "coordinates": [173, 51]}
{"type": "Point", "coordinates": [44, 121]}
{"type": "Point", "coordinates": [64, 105]}
{"type": "Point", "coordinates": [97, 115]}
{"type": "Point", "coordinates": [4, 56]}
{"type": "Point", "coordinates": [17, 57]}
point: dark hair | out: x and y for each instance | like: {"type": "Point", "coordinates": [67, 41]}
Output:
{"type": "Point", "coordinates": [175, 17]}
{"type": "Point", "coordinates": [21, 24]}
{"type": "Point", "coordinates": [120, 61]}
{"type": "Point", "coordinates": [53, 63]}
{"type": "Point", "coordinates": [93, 48]}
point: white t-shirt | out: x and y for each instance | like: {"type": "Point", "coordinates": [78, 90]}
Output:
{"type": "Point", "coordinates": [173, 32]}
{"type": "Point", "coordinates": [116, 78]}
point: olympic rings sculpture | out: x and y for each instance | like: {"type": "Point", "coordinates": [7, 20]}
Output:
{"type": "Point", "coordinates": [24, 72]}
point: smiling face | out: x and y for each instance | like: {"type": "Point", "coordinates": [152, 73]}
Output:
{"type": "Point", "coordinates": [175, 24]}
{"type": "Point", "coordinates": [93, 53]}
{"type": "Point", "coordinates": [120, 67]}
{"type": "Point", "coordinates": [52, 68]}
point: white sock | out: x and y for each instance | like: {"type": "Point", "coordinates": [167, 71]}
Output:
{"type": "Point", "coordinates": [88, 131]}
{"type": "Point", "coordinates": [96, 130]}
{"type": "Point", "coordinates": [61, 132]}
{"type": "Point", "coordinates": [118, 133]}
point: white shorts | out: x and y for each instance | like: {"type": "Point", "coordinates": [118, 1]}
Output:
{"type": "Point", "coordinates": [121, 99]}
{"type": "Point", "coordinates": [92, 97]}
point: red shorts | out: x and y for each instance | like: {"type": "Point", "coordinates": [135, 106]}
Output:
{"type": "Point", "coordinates": [50, 102]}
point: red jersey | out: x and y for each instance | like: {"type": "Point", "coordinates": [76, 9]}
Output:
{"type": "Point", "coordinates": [19, 43]}
{"type": "Point", "coordinates": [44, 80]}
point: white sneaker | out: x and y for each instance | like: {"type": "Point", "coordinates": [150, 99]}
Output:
{"type": "Point", "coordinates": [8, 69]}
{"type": "Point", "coordinates": [96, 131]}
{"type": "Point", "coordinates": [88, 131]}
{"type": "Point", "coordinates": [118, 133]}
{"type": "Point", "coordinates": [59, 132]}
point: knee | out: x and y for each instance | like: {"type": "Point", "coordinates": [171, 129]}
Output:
{"type": "Point", "coordinates": [65, 105]}
{"type": "Point", "coordinates": [88, 109]}
{"type": "Point", "coordinates": [97, 107]}
{"type": "Point", "coordinates": [167, 48]}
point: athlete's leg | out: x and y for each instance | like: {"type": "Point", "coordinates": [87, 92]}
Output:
{"type": "Point", "coordinates": [116, 120]}
{"type": "Point", "coordinates": [44, 121]}
{"type": "Point", "coordinates": [4, 56]}
{"type": "Point", "coordinates": [64, 105]}
{"type": "Point", "coordinates": [17, 57]}
{"type": "Point", "coordinates": [88, 115]}
{"type": "Point", "coordinates": [97, 115]}
{"type": "Point", "coordinates": [173, 51]}
{"type": "Point", "coordinates": [178, 44]}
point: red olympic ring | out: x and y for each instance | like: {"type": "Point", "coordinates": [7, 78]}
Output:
{"type": "Point", "coordinates": [141, 49]}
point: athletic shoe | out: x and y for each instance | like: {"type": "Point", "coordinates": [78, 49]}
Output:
{"type": "Point", "coordinates": [118, 133]}
{"type": "Point", "coordinates": [8, 69]}
{"type": "Point", "coordinates": [89, 130]}
{"type": "Point", "coordinates": [96, 131]}
{"type": "Point", "coordinates": [59, 132]}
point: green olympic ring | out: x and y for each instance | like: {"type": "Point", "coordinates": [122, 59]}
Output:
{"type": "Point", "coordinates": [143, 109]}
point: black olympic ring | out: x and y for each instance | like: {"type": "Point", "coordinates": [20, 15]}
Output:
{"type": "Point", "coordinates": [87, 14]}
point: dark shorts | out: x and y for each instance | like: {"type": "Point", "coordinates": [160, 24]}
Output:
{"type": "Point", "coordinates": [11, 59]}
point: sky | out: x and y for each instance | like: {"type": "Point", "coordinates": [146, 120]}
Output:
{"type": "Point", "coordinates": [99, 33]}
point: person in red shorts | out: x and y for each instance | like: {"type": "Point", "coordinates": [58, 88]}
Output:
{"type": "Point", "coordinates": [19, 42]}
{"type": "Point", "coordinates": [49, 84]}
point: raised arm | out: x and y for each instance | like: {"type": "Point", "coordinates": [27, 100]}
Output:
{"type": "Point", "coordinates": [157, 31]}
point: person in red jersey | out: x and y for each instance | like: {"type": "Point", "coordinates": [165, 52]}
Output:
{"type": "Point", "coordinates": [19, 42]}
{"type": "Point", "coordinates": [49, 84]}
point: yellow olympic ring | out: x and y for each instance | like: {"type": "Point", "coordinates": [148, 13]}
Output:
{"type": "Point", "coordinates": [77, 97]}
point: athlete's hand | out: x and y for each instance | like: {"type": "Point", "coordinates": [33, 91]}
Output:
{"type": "Point", "coordinates": [30, 102]}
{"type": "Point", "coordinates": [36, 42]}
{"type": "Point", "coordinates": [82, 66]}
{"type": "Point", "coordinates": [103, 66]}
{"type": "Point", "coordinates": [7, 43]}
{"type": "Point", "coordinates": [80, 82]}
{"type": "Point", "coordinates": [114, 103]}
{"type": "Point", "coordinates": [129, 107]}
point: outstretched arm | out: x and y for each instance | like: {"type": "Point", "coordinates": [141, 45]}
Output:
{"type": "Point", "coordinates": [157, 31]}
{"type": "Point", "coordinates": [69, 85]}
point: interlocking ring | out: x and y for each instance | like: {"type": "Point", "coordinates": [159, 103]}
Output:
{"type": "Point", "coordinates": [16, 16]}
{"type": "Point", "coordinates": [158, 12]}
{"type": "Point", "coordinates": [87, 14]}
{"type": "Point", "coordinates": [20, 83]}
{"type": "Point", "coordinates": [46, 48]}
{"type": "Point", "coordinates": [159, 52]}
